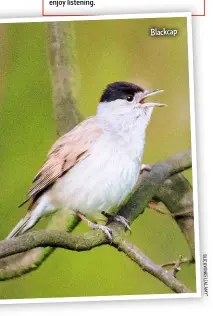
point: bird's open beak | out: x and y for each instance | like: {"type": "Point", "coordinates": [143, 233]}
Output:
{"type": "Point", "coordinates": [150, 94]}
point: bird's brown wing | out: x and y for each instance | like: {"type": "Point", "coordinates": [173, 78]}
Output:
{"type": "Point", "coordinates": [65, 154]}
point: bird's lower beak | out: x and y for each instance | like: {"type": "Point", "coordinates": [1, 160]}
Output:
{"type": "Point", "coordinates": [150, 94]}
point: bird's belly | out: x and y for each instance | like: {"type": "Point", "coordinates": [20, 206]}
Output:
{"type": "Point", "coordinates": [96, 185]}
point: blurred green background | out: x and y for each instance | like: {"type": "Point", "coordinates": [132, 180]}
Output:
{"type": "Point", "coordinates": [106, 51]}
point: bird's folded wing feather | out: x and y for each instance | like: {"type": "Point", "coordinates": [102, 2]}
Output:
{"type": "Point", "coordinates": [64, 155]}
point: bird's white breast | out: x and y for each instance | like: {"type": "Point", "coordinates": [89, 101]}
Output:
{"type": "Point", "coordinates": [102, 180]}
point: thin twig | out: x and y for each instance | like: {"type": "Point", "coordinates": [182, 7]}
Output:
{"type": "Point", "coordinates": [152, 268]}
{"type": "Point", "coordinates": [173, 263]}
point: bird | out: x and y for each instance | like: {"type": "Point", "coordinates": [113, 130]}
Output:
{"type": "Point", "coordinates": [94, 166]}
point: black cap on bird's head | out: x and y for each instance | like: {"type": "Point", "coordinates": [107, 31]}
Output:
{"type": "Point", "coordinates": [130, 92]}
{"type": "Point", "coordinates": [120, 90]}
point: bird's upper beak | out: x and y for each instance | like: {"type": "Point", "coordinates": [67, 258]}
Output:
{"type": "Point", "coordinates": [149, 94]}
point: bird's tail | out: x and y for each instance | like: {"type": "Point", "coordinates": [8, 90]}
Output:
{"type": "Point", "coordinates": [23, 225]}
{"type": "Point", "coordinates": [29, 220]}
{"type": "Point", "coordinates": [37, 209]}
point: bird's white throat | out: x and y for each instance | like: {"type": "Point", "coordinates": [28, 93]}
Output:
{"type": "Point", "coordinates": [128, 128]}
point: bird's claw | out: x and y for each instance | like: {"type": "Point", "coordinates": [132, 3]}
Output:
{"type": "Point", "coordinates": [107, 231]}
{"type": "Point", "coordinates": [122, 220]}
{"type": "Point", "coordinates": [118, 218]}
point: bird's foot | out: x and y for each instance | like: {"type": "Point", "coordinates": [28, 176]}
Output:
{"type": "Point", "coordinates": [107, 231]}
{"type": "Point", "coordinates": [120, 219]}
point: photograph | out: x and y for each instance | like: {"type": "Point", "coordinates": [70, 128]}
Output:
{"type": "Point", "coordinates": [98, 197]}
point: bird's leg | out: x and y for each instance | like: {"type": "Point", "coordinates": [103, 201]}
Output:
{"type": "Point", "coordinates": [106, 230]}
{"type": "Point", "coordinates": [118, 218]}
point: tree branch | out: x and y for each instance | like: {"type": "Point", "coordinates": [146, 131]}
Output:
{"type": "Point", "coordinates": [63, 71]}
{"type": "Point", "coordinates": [20, 264]}
{"type": "Point", "coordinates": [87, 241]}
{"type": "Point", "coordinates": [152, 268]}
{"type": "Point", "coordinates": [177, 196]}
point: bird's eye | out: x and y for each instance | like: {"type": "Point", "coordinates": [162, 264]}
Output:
{"type": "Point", "coordinates": [130, 98]}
